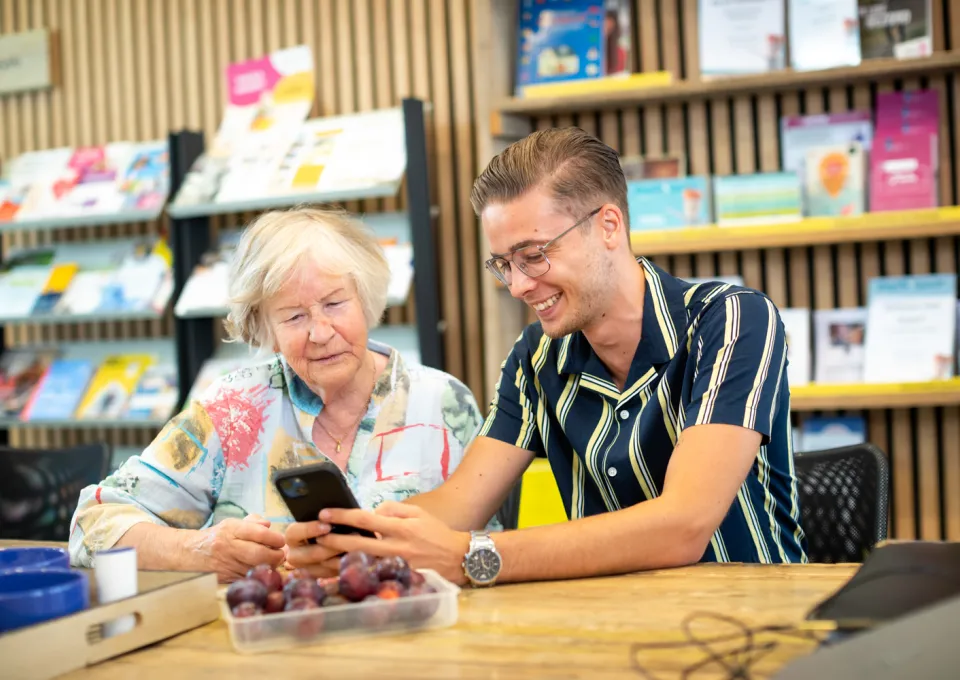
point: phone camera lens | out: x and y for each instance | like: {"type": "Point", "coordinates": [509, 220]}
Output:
{"type": "Point", "coordinates": [293, 487]}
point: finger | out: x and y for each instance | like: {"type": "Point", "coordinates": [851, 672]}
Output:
{"type": "Point", "coordinates": [251, 531]}
{"type": "Point", "coordinates": [306, 555]}
{"type": "Point", "coordinates": [343, 543]}
{"type": "Point", "coordinates": [394, 509]}
{"type": "Point", "coordinates": [257, 519]}
{"type": "Point", "coordinates": [251, 554]}
{"type": "Point", "coordinates": [323, 570]}
{"type": "Point", "coordinates": [299, 533]}
{"type": "Point", "coordinates": [360, 519]}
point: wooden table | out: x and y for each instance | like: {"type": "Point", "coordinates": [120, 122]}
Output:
{"type": "Point", "coordinates": [571, 629]}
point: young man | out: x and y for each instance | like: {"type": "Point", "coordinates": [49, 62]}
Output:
{"type": "Point", "coordinates": [662, 406]}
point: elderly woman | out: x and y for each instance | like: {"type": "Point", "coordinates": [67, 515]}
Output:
{"type": "Point", "coordinates": [306, 286]}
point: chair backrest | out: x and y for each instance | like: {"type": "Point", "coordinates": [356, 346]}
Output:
{"type": "Point", "coordinates": [39, 488]}
{"type": "Point", "coordinates": [844, 501]}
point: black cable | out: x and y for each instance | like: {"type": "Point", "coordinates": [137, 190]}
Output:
{"type": "Point", "coordinates": [733, 663]}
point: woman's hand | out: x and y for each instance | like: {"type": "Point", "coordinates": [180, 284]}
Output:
{"type": "Point", "coordinates": [319, 561]}
{"type": "Point", "coordinates": [233, 546]}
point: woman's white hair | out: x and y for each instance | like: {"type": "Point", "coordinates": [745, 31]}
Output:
{"type": "Point", "coordinates": [272, 249]}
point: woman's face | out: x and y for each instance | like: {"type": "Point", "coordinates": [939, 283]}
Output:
{"type": "Point", "coordinates": [319, 326]}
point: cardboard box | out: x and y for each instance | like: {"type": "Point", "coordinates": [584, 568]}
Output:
{"type": "Point", "coordinates": [168, 603]}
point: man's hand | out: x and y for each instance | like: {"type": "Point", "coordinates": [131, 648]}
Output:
{"type": "Point", "coordinates": [233, 546]}
{"type": "Point", "coordinates": [406, 531]}
{"type": "Point", "coordinates": [319, 561]}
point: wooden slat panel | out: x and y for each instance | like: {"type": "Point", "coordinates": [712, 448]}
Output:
{"type": "Point", "coordinates": [135, 69]}
{"type": "Point", "coordinates": [902, 474]}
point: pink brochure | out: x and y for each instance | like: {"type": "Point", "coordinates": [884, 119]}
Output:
{"type": "Point", "coordinates": [903, 172]}
{"type": "Point", "coordinates": [913, 110]}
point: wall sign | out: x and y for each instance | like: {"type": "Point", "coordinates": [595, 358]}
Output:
{"type": "Point", "coordinates": [26, 61]}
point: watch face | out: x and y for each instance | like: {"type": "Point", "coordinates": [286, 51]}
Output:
{"type": "Point", "coordinates": [483, 565]}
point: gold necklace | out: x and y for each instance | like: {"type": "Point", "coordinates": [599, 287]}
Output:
{"type": "Point", "coordinates": [339, 440]}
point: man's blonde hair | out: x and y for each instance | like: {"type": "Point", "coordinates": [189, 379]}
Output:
{"type": "Point", "coordinates": [577, 169]}
{"type": "Point", "coordinates": [273, 247]}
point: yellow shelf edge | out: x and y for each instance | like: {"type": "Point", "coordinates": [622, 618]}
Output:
{"type": "Point", "coordinates": [712, 233]}
{"type": "Point", "coordinates": [841, 390]}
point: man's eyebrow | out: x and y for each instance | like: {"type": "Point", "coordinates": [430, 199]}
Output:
{"type": "Point", "coordinates": [517, 246]}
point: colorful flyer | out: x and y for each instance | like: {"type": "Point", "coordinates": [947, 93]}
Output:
{"type": "Point", "coordinates": [911, 328]}
{"type": "Point", "coordinates": [672, 203]}
{"type": "Point", "coordinates": [739, 37]}
{"type": "Point", "coordinates": [823, 34]}
{"type": "Point", "coordinates": [835, 181]}
{"type": "Point", "coordinates": [763, 198]}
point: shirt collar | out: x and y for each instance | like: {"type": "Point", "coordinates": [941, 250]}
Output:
{"type": "Point", "coordinates": [664, 320]}
{"type": "Point", "coordinates": [309, 402]}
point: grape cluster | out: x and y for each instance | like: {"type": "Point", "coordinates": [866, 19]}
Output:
{"type": "Point", "coordinates": [388, 584]}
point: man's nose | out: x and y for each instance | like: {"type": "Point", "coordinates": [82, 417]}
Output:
{"type": "Point", "coordinates": [520, 283]}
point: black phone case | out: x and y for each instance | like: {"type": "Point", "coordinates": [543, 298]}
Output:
{"type": "Point", "coordinates": [324, 488]}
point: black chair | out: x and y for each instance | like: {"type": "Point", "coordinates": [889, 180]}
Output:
{"type": "Point", "coordinates": [39, 488]}
{"type": "Point", "coordinates": [844, 501]}
{"type": "Point", "coordinates": [509, 512]}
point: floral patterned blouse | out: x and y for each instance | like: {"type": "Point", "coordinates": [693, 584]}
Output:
{"type": "Point", "coordinates": [216, 458]}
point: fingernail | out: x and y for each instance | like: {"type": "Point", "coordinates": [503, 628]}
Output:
{"type": "Point", "coordinates": [323, 528]}
{"type": "Point", "coordinates": [325, 515]}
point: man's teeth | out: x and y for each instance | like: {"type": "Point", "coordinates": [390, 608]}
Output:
{"type": "Point", "coordinates": [547, 304]}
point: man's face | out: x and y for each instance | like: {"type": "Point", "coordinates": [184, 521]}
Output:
{"type": "Point", "coordinates": [571, 293]}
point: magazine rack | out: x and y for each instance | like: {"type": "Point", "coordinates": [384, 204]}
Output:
{"type": "Point", "coordinates": [190, 229]}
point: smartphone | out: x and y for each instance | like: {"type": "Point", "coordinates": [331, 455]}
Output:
{"type": "Point", "coordinates": [309, 489]}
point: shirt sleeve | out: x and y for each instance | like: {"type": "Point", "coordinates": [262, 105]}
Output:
{"type": "Point", "coordinates": [175, 482]}
{"type": "Point", "coordinates": [512, 416]}
{"type": "Point", "coordinates": [740, 350]}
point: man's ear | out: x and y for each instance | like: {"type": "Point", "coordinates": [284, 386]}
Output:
{"type": "Point", "coordinates": [613, 225]}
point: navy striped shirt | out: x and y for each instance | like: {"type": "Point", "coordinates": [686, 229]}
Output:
{"type": "Point", "coordinates": [709, 353]}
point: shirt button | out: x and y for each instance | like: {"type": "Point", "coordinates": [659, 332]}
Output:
{"type": "Point", "coordinates": [612, 471]}
{"type": "Point", "coordinates": [624, 414]}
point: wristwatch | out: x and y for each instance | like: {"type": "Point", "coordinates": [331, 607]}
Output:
{"type": "Point", "coordinates": [481, 564]}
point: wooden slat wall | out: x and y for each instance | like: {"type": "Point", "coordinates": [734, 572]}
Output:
{"type": "Point", "coordinates": [740, 134]}
{"type": "Point", "coordinates": [137, 69]}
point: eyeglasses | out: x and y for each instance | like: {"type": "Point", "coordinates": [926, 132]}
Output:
{"type": "Point", "coordinates": [531, 260]}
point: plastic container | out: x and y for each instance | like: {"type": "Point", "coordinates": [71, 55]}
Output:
{"type": "Point", "coordinates": [19, 559]}
{"type": "Point", "coordinates": [272, 632]}
{"type": "Point", "coordinates": [30, 597]}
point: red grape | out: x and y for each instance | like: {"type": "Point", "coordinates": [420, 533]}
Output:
{"type": "Point", "coordinates": [299, 603]}
{"type": "Point", "coordinates": [416, 578]}
{"type": "Point", "coordinates": [275, 602]}
{"type": "Point", "coordinates": [357, 581]}
{"type": "Point", "coordinates": [331, 586]}
{"type": "Point", "coordinates": [391, 590]}
{"type": "Point", "coordinates": [424, 607]}
{"type": "Point", "coordinates": [245, 610]}
{"type": "Point", "coordinates": [334, 600]}
{"type": "Point", "coordinates": [308, 625]}
{"type": "Point", "coordinates": [304, 587]}
{"type": "Point", "coordinates": [246, 590]}
{"type": "Point", "coordinates": [268, 576]}
{"type": "Point", "coordinates": [376, 613]}
{"type": "Point", "coordinates": [393, 569]}
{"type": "Point", "coordinates": [355, 557]}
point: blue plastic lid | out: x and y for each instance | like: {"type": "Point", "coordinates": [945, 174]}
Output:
{"type": "Point", "coordinates": [16, 559]}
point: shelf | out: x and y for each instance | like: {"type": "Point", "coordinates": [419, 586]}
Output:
{"type": "Point", "coordinates": [810, 231]}
{"type": "Point", "coordinates": [142, 315]}
{"type": "Point", "coordinates": [780, 81]}
{"type": "Point", "coordinates": [385, 226]}
{"type": "Point", "coordinates": [7, 423]}
{"type": "Point", "coordinates": [875, 395]}
{"type": "Point", "coordinates": [91, 220]}
{"type": "Point", "coordinates": [96, 351]}
{"type": "Point", "coordinates": [283, 201]}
